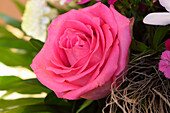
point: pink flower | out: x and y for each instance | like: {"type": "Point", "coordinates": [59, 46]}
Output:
{"type": "Point", "coordinates": [167, 44]}
{"type": "Point", "coordinates": [111, 1]}
{"type": "Point", "coordinates": [164, 64]}
{"type": "Point", "coordinates": [86, 50]}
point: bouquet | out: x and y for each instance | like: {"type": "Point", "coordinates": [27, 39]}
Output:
{"type": "Point", "coordinates": [88, 56]}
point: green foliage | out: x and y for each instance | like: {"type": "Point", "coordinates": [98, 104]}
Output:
{"type": "Point", "coordinates": [23, 53]}
{"type": "Point", "coordinates": [76, 106]}
{"type": "Point", "coordinates": [84, 105]}
{"type": "Point", "coordinates": [51, 99]}
{"type": "Point", "coordinates": [4, 33]}
{"type": "Point", "coordinates": [138, 46]}
{"type": "Point", "coordinates": [11, 21]}
{"type": "Point", "coordinates": [19, 58]}
{"type": "Point", "coordinates": [6, 104]}
{"type": "Point", "coordinates": [19, 5]}
{"type": "Point", "coordinates": [38, 108]}
{"type": "Point", "coordinates": [14, 84]}
{"type": "Point", "coordinates": [36, 44]}
{"type": "Point", "coordinates": [160, 33]}
{"type": "Point", "coordinates": [16, 43]}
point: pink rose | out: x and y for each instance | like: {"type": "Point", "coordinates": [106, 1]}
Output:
{"type": "Point", "coordinates": [164, 64]}
{"type": "Point", "coordinates": [85, 51]}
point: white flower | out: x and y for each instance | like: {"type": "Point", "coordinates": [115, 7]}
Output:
{"type": "Point", "coordinates": [36, 17]}
{"type": "Point", "coordinates": [62, 2]}
{"type": "Point", "coordinates": [162, 18]}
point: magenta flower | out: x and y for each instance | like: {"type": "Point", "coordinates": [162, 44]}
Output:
{"type": "Point", "coordinates": [111, 1]}
{"type": "Point", "coordinates": [167, 44]}
{"type": "Point", "coordinates": [164, 64]}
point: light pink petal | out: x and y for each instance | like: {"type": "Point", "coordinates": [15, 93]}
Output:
{"type": "Point", "coordinates": [102, 11]}
{"type": "Point", "coordinates": [99, 92]}
{"type": "Point", "coordinates": [166, 4]}
{"type": "Point", "coordinates": [124, 38]}
{"type": "Point", "coordinates": [108, 36]}
{"type": "Point", "coordinates": [40, 64]}
{"type": "Point", "coordinates": [44, 76]}
{"type": "Point", "coordinates": [110, 66]}
{"type": "Point", "coordinates": [157, 18]}
{"type": "Point", "coordinates": [104, 77]}
{"type": "Point", "coordinates": [83, 80]}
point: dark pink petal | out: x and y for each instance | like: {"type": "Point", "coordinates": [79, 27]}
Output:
{"type": "Point", "coordinates": [167, 72]}
{"type": "Point", "coordinates": [164, 64]}
{"type": "Point", "coordinates": [167, 44]}
{"type": "Point", "coordinates": [111, 1]}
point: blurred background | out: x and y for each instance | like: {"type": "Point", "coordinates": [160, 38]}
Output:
{"type": "Point", "coordinates": [8, 7]}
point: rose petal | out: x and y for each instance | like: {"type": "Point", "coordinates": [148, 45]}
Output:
{"type": "Point", "coordinates": [105, 75]}
{"type": "Point", "coordinates": [99, 92]}
{"type": "Point", "coordinates": [104, 14]}
{"type": "Point", "coordinates": [124, 38]}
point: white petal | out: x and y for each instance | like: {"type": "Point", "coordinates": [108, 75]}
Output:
{"type": "Point", "coordinates": [62, 2]}
{"type": "Point", "coordinates": [46, 10]}
{"type": "Point", "coordinates": [157, 18]}
{"type": "Point", "coordinates": [45, 20]}
{"type": "Point", "coordinates": [166, 4]}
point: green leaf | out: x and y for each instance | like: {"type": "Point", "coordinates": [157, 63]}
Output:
{"type": "Point", "coordinates": [84, 105]}
{"type": "Point", "coordinates": [7, 82]}
{"type": "Point", "coordinates": [51, 99]}
{"type": "Point", "coordinates": [159, 35]}
{"type": "Point", "coordinates": [19, 5]}
{"type": "Point", "coordinates": [16, 43]}
{"type": "Point", "coordinates": [5, 33]}
{"type": "Point", "coordinates": [138, 46]}
{"type": "Point", "coordinates": [36, 44]}
{"type": "Point", "coordinates": [19, 58]}
{"type": "Point", "coordinates": [38, 108]}
{"type": "Point", "coordinates": [6, 104]}
{"type": "Point", "coordinates": [15, 84]}
{"type": "Point", "coordinates": [146, 52]}
{"type": "Point", "coordinates": [161, 46]}
{"type": "Point", "coordinates": [11, 21]}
